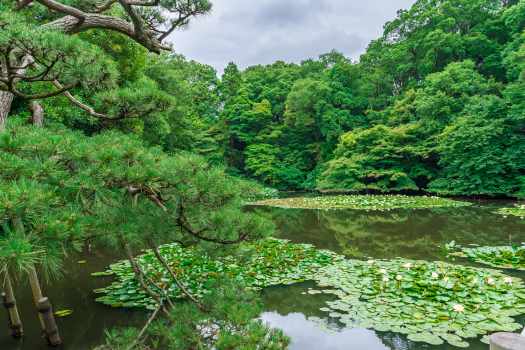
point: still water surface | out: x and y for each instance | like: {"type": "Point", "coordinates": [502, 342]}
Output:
{"type": "Point", "coordinates": [416, 234]}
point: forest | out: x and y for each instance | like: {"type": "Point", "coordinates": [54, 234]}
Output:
{"type": "Point", "coordinates": [434, 105]}
{"type": "Point", "coordinates": [111, 139]}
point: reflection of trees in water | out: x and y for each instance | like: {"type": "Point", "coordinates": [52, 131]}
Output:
{"type": "Point", "coordinates": [397, 341]}
{"type": "Point", "coordinates": [408, 233]}
{"type": "Point", "coordinates": [288, 299]}
{"type": "Point", "coordinates": [301, 226]}
{"type": "Point", "coordinates": [415, 234]}
{"type": "Point", "coordinates": [360, 234]}
{"type": "Point", "coordinates": [400, 341]}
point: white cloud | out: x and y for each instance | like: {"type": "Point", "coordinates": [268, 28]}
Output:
{"type": "Point", "coordinates": [250, 32]}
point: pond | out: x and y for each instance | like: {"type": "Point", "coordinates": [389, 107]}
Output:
{"type": "Point", "coordinates": [413, 234]}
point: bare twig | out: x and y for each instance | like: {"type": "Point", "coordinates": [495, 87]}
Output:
{"type": "Point", "coordinates": [81, 105]}
{"type": "Point", "coordinates": [145, 328]}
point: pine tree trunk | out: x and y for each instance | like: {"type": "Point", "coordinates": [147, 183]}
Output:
{"type": "Point", "coordinates": [6, 99]}
{"type": "Point", "coordinates": [37, 114]}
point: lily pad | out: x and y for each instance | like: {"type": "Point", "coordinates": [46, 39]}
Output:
{"type": "Point", "coordinates": [363, 202]}
{"type": "Point", "coordinates": [503, 257]}
{"type": "Point", "coordinates": [460, 303]}
{"type": "Point", "coordinates": [271, 262]}
{"type": "Point", "coordinates": [518, 210]}
{"type": "Point", "coordinates": [425, 337]}
{"type": "Point", "coordinates": [430, 302]}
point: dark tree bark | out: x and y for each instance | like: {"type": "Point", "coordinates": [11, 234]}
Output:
{"type": "Point", "coordinates": [46, 311]}
{"type": "Point", "coordinates": [72, 25]}
{"type": "Point", "coordinates": [7, 97]}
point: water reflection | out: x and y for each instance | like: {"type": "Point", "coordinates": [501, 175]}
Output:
{"type": "Point", "coordinates": [299, 317]}
{"type": "Point", "coordinates": [399, 233]}
{"type": "Point", "coordinates": [85, 328]}
{"type": "Point", "coordinates": [306, 334]}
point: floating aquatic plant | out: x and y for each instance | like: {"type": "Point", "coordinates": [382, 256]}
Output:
{"type": "Point", "coordinates": [504, 257]}
{"type": "Point", "coordinates": [272, 262]}
{"type": "Point", "coordinates": [518, 210]}
{"type": "Point", "coordinates": [430, 302]}
{"type": "Point", "coordinates": [363, 202]}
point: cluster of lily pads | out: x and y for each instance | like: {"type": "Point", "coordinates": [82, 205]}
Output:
{"type": "Point", "coordinates": [271, 262]}
{"type": "Point", "coordinates": [518, 210]}
{"type": "Point", "coordinates": [363, 202]}
{"type": "Point", "coordinates": [504, 257]}
{"type": "Point", "coordinates": [430, 302]}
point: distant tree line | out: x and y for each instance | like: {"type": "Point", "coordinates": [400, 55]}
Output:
{"type": "Point", "coordinates": [435, 104]}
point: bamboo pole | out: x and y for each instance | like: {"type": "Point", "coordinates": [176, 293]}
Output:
{"type": "Point", "coordinates": [9, 300]}
{"type": "Point", "coordinates": [46, 311]}
{"type": "Point", "coordinates": [36, 290]}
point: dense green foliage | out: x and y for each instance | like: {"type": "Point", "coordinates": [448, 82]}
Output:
{"type": "Point", "coordinates": [228, 323]}
{"type": "Point", "coordinates": [65, 189]}
{"type": "Point", "coordinates": [364, 202]}
{"type": "Point", "coordinates": [62, 189]}
{"type": "Point", "coordinates": [435, 104]}
{"type": "Point", "coordinates": [445, 74]}
{"type": "Point", "coordinates": [140, 147]}
{"type": "Point", "coordinates": [113, 177]}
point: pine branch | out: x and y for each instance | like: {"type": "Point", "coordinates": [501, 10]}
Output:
{"type": "Point", "coordinates": [174, 277]}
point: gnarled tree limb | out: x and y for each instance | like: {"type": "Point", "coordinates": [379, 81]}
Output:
{"type": "Point", "coordinates": [90, 110]}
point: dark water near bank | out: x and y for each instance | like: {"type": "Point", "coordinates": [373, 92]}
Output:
{"type": "Point", "coordinates": [414, 234]}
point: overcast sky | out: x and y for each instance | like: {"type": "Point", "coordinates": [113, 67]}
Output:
{"type": "Point", "coordinates": [250, 32]}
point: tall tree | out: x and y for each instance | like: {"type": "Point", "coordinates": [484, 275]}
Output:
{"type": "Point", "coordinates": [41, 50]}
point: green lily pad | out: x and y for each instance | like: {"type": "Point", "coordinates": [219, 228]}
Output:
{"type": "Point", "coordinates": [431, 302]}
{"type": "Point", "coordinates": [518, 210]}
{"type": "Point", "coordinates": [451, 308]}
{"type": "Point", "coordinates": [503, 257]}
{"type": "Point", "coordinates": [363, 202]}
{"type": "Point", "coordinates": [425, 337]}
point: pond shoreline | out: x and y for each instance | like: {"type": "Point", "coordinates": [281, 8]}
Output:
{"type": "Point", "coordinates": [322, 192]}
